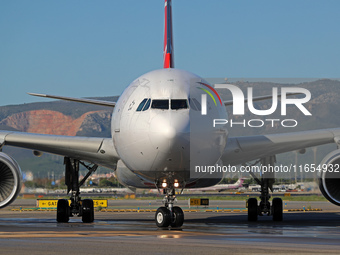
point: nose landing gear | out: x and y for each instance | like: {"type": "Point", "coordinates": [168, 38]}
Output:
{"type": "Point", "coordinates": [169, 215]}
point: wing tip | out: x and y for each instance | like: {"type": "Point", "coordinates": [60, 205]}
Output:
{"type": "Point", "coordinates": [36, 94]}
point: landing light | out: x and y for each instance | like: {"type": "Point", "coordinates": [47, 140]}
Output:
{"type": "Point", "coordinates": [176, 184]}
{"type": "Point", "coordinates": [164, 184]}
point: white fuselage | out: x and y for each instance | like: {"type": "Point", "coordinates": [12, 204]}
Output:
{"type": "Point", "coordinates": [152, 132]}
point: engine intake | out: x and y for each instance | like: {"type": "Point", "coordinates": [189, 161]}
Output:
{"type": "Point", "coordinates": [329, 181]}
{"type": "Point", "coordinates": [10, 179]}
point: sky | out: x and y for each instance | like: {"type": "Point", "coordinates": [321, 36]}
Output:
{"type": "Point", "coordinates": [97, 48]}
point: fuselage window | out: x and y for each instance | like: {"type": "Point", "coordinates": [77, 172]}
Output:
{"type": "Point", "coordinates": [194, 104]}
{"type": "Point", "coordinates": [141, 105]}
{"type": "Point", "coordinates": [177, 104]}
{"type": "Point", "coordinates": [147, 105]}
{"type": "Point", "coordinates": [160, 104]}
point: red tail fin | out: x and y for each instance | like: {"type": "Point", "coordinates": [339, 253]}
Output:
{"type": "Point", "coordinates": [168, 53]}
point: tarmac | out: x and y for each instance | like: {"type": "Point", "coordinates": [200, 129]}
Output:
{"type": "Point", "coordinates": [203, 232]}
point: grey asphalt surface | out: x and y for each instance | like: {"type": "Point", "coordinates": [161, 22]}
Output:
{"type": "Point", "coordinates": [202, 233]}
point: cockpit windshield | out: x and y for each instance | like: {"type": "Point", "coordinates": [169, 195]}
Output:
{"type": "Point", "coordinates": [162, 104]}
{"type": "Point", "coordinates": [177, 104]}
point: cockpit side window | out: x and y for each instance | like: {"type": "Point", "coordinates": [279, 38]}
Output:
{"type": "Point", "coordinates": [141, 105]}
{"type": "Point", "coordinates": [147, 105]}
{"type": "Point", "coordinates": [162, 104]}
{"type": "Point", "coordinates": [194, 104]}
{"type": "Point", "coordinates": [177, 104]}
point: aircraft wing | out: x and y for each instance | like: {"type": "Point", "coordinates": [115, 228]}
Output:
{"type": "Point", "coordinates": [79, 100]}
{"type": "Point", "coordinates": [247, 148]}
{"type": "Point", "coordinates": [100, 151]}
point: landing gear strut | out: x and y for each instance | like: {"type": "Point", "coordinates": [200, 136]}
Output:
{"type": "Point", "coordinates": [169, 214]}
{"type": "Point", "coordinates": [78, 207]}
{"type": "Point", "coordinates": [264, 208]}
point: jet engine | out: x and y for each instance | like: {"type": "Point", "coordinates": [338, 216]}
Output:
{"type": "Point", "coordinates": [329, 181]}
{"type": "Point", "coordinates": [10, 179]}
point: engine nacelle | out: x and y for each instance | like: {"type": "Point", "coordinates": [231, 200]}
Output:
{"type": "Point", "coordinates": [329, 181]}
{"type": "Point", "coordinates": [10, 180]}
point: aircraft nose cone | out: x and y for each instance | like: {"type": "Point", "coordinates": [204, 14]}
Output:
{"type": "Point", "coordinates": [170, 140]}
{"type": "Point", "coordinates": [169, 132]}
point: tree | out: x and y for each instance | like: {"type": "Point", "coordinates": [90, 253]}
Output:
{"type": "Point", "coordinates": [105, 183]}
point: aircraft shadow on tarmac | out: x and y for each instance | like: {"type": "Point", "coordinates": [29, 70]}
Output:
{"type": "Point", "coordinates": [307, 219]}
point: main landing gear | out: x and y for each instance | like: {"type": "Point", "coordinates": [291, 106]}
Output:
{"type": "Point", "coordinates": [264, 207]}
{"type": "Point", "coordinates": [169, 215]}
{"type": "Point", "coordinates": [78, 207]}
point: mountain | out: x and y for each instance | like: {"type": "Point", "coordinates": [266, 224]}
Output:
{"type": "Point", "coordinates": [92, 123]}
{"type": "Point", "coordinates": [57, 118]}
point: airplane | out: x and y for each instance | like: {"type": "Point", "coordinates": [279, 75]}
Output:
{"type": "Point", "coordinates": [153, 145]}
{"type": "Point", "coordinates": [222, 187]}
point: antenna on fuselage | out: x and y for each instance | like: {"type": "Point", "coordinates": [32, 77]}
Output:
{"type": "Point", "coordinates": [168, 53]}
